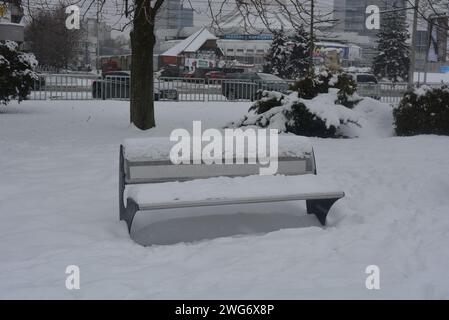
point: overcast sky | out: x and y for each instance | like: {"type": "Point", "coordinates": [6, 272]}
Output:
{"type": "Point", "coordinates": [201, 15]}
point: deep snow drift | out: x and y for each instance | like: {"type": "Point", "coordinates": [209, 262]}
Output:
{"type": "Point", "coordinates": [59, 206]}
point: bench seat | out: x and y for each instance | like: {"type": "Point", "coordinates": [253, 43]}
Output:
{"type": "Point", "coordinates": [316, 190]}
{"type": "Point", "coordinates": [235, 190]}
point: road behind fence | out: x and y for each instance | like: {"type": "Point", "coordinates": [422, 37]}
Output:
{"type": "Point", "coordinates": [90, 87]}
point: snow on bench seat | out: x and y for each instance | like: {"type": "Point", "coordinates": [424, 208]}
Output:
{"type": "Point", "coordinates": [224, 190]}
{"type": "Point", "coordinates": [158, 148]}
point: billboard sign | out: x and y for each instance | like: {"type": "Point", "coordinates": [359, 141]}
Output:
{"type": "Point", "coordinates": [321, 48]}
{"type": "Point", "coordinates": [5, 12]}
{"type": "Point", "coordinates": [438, 34]}
{"type": "Point", "coordinates": [194, 63]}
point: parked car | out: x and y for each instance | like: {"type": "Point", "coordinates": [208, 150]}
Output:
{"type": "Point", "coordinates": [116, 85]}
{"type": "Point", "coordinates": [188, 75]}
{"type": "Point", "coordinates": [169, 70]}
{"type": "Point", "coordinates": [250, 85]}
{"type": "Point", "coordinates": [215, 75]}
{"type": "Point", "coordinates": [198, 73]}
{"type": "Point", "coordinates": [366, 78]}
{"type": "Point", "coordinates": [367, 84]}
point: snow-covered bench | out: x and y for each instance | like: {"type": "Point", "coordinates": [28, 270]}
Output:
{"type": "Point", "coordinates": [148, 180]}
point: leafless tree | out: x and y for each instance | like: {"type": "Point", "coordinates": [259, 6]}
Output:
{"type": "Point", "coordinates": [142, 14]}
{"type": "Point", "coordinates": [51, 42]}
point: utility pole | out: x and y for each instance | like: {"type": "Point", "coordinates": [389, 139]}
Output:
{"type": "Point", "coordinates": [98, 37]}
{"type": "Point", "coordinates": [411, 72]}
{"type": "Point", "coordinates": [312, 43]}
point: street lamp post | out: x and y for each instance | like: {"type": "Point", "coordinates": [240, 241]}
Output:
{"type": "Point", "coordinates": [411, 71]}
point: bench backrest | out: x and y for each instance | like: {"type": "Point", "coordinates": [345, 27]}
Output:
{"type": "Point", "coordinates": [144, 169]}
{"type": "Point", "coordinates": [153, 171]}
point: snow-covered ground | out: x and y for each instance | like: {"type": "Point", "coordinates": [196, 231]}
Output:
{"type": "Point", "coordinates": [59, 207]}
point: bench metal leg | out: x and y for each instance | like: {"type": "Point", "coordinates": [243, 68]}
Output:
{"type": "Point", "coordinates": [129, 212]}
{"type": "Point", "coordinates": [320, 208]}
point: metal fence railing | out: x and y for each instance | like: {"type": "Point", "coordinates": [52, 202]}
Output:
{"type": "Point", "coordinates": [386, 91]}
{"type": "Point", "coordinates": [88, 87]}
{"type": "Point", "coordinates": [63, 87]}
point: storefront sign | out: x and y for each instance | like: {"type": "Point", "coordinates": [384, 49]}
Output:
{"type": "Point", "coordinates": [193, 63]}
{"type": "Point", "coordinates": [247, 37]}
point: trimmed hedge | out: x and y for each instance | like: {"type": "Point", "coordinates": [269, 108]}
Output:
{"type": "Point", "coordinates": [423, 111]}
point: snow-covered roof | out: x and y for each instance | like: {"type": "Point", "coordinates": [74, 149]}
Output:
{"type": "Point", "coordinates": [191, 44]}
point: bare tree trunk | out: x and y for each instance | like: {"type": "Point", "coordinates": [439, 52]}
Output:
{"type": "Point", "coordinates": [142, 43]}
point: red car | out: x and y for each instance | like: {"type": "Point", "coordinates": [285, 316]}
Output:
{"type": "Point", "coordinates": [215, 75]}
{"type": "Point", "coordinates": [188, 74]}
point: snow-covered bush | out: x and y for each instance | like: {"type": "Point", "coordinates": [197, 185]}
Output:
{"type": "Point", "coordinates": [423, 111]}
{"type": "Point", "coordinates": [318, 106]}
{"type": "Point", "coordinates": [347, 94]}
{"type": "Point", "coordinates": [310, 87]}
{"type": "Point", "coordinates": [268, 101]}
{"type": "Point", "coordinates": [317, 117]}
{"type": "Point", "coordinates": [303, 122]}
{"type": "Point", "coordinates": [16, 72]}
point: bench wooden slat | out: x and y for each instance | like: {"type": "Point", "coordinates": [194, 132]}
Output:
{"type": "Point", "coordinates": [242, 200]}
{"type": "Point", "coordinates": [147, 172]}
{"type": "Point", "coordinates": [224, 188]}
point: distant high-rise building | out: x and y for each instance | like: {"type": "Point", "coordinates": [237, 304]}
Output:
{"type": "Point", "coordinates": [351, 25]}
{"type": "Point", "coordinates": [172, 15]}
{"type": "Point", "coordinates": [351, 14]}
{"type": "Point", "coordinates": [93, 33]}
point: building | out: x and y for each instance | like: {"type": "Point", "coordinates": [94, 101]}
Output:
{"type": "Point", "coordinates": [351, 14]}
{"type": "Point", "coordinates": [11, 15]}
{"type": "Point", "coordinates": [238, 45]}
{"type": "Point", "coordinates": [92, 34]}
{"type": "Point", "coordinates": [200, 50]}
{"type": "Point", "coordinates": [351, 26]}
{"type": "Point", "coordinates": [173, 15]}
{"type": "Point", "coordinates": [245, 49]}
{"type": "Point", "coordinates": [173, 22]}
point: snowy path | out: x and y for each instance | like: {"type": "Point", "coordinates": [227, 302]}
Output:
{"type": "Point", "coordinates": [58, 206]}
